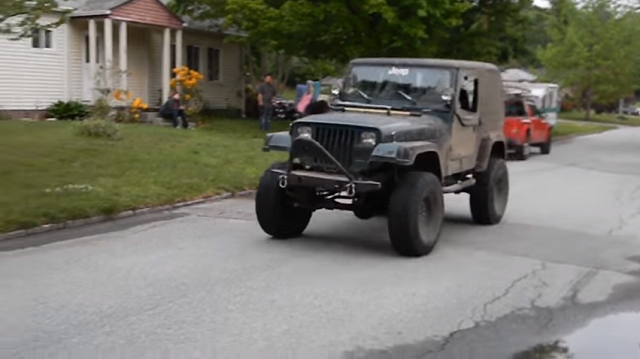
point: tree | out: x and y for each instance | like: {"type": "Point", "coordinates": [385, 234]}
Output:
{"type": "Point", "coordinates": [22, 17]}
{"type": "Point", "coordinates": [593, 50]}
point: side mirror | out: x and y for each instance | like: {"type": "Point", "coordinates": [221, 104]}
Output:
{"type": "Point", "coordinates": [447, 96]}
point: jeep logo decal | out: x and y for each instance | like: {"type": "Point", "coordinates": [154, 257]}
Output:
{"type": "Point", "coordinates": [396, 71]}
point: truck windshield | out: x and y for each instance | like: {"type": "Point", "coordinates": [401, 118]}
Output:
{"type": "Point", "coordinates": [421, 87]}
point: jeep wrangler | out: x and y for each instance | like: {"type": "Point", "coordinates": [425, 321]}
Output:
{"type": "Point", "coordinates": [399, 134]}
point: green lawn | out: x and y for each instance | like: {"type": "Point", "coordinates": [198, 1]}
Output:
{"type": "Point", "coordinates": [50, 174]}
{"type": "Point", "coordinates": [563, 129]}
{"type": "Point", "coordinates": [602, 118]}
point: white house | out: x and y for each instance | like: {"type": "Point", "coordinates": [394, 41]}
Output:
{"type": "Point", "coordinates": [141, 38]}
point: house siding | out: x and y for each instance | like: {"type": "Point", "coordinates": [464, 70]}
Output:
{"type": "Point", "coordinates": [33, 78]}
{"type": "Point", "coordinates": [227, 92]}
{"type": "Point", "coordinates": [149, 12]}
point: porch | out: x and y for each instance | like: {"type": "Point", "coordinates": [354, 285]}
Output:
{"type": "Point", "coordinates": [117, 54]}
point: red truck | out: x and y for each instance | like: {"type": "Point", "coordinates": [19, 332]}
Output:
{"type": "Point", "coordinates": [524, 127]}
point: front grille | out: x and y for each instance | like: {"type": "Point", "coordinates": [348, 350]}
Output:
{"type": "Point", "coordinates": [338, 141]}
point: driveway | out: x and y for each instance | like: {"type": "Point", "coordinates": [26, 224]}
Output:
{"type": "Point", "coordinates": [205, 282]}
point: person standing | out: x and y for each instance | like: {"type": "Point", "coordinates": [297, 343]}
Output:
{"type": "Point", "coordinates": [266, 93]}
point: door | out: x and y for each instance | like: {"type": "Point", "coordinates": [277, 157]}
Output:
{"type": "Point", "coordinates": [538, 125]}
{"type": "Point", "coordinates": [464, 134]}
{"type": "Point", "coordinates": [88, 79]}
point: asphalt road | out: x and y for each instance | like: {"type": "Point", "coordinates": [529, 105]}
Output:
{"type": "Point", "coordinates": [205, 282]}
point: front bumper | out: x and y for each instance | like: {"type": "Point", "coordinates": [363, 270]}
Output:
{"type": "Point", "coordinates": [342, 181]}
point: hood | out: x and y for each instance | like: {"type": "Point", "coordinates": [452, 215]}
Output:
{"type": "Point", "coordinates": [400, 127]}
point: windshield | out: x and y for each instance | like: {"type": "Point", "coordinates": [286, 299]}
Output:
{"type": "Point", "coordinates": [400, 86]}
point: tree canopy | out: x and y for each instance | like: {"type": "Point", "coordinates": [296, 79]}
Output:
{"type": "Point", "coordinates": [21, 17]}
{"type": "Point", "coordinates": [593, 50]}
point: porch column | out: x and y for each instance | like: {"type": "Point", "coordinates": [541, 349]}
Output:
{"type": "Point", "coordinates": [108, 54]}
{"type": "Point", "coordinates": [122, 56]}
{"type": "Point", "coordinates": [179, 48]}
{"type": "Point", "coordinates": [93, 54]}
{"type": "Point", "coordinates": [166, 63]}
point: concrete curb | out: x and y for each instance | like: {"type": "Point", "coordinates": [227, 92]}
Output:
{"type": "Point", "coordinates": [137, 212]}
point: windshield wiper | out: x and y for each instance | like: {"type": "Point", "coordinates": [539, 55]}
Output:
{"type": "Point", "coordinates": [364, 96]}
{"type": "Point", "coordinates": [407, 97]}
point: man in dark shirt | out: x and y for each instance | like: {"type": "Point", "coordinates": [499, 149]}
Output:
{"type": "Point", "coordinates": [266, 93]}
{"type": "Point", "coordinates": [174, 110]}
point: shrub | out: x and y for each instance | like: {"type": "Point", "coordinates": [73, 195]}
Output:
{"type": "Point", "coordinates": [131, 109]}
{"type": "Point", "coordinates": [68, 110]}
{"type": "Point", "coordinates": [101, 128]}
{"type": "Point", "coordinates": [186, 82]}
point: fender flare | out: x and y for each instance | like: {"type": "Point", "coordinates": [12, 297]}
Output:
{"type": "Point", "coordinates": [485, 150]}
{"type": "Point", "coordinates": [404, 153]}
{"type": "Point", "coordinates": [277, 141]}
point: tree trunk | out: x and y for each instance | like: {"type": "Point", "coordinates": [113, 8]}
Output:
{"type": "Point", "coordinates": [588, 100]}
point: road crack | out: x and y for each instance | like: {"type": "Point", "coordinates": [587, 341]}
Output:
{"type": "Point", "coordinates": [485, 308]}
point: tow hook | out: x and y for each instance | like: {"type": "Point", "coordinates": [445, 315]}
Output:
{"type": "Point", "coordinates": [351, 190]}
{"type": "Point", "coordinates": [282, 181]}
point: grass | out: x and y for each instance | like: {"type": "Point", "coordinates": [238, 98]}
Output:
{"type": "Point", "coordinates": [564, 129]}
{"type": "Point", "coordinates": [50, 174]}
{"type": "Point", "coordinates": [602, 118]}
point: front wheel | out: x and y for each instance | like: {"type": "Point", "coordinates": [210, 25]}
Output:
{"type": "Point", "coordinates": [276, 213]}
{"type": "Point", "coordinates": [416, 214]}
{"type": "Point", "coordinates": [523, 152]}
{"type": "Point", "coordinates": [489, 196]}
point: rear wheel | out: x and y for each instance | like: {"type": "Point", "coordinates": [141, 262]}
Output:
{"type": "Point", "coordinates": [416, 213]}
{"type": "Point", "coordinates": [275, 212]}
{"type": "Point", "coordinates": [489, 196]}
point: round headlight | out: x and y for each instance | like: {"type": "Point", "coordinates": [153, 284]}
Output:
{"type": "Point", "coordinates": [368, 138]}
{"type": "Point", "coordinates": [303, 131]}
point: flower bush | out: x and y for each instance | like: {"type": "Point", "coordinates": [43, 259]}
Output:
{"type": "Point", "coordinates": [186, 82]}
{"type": "Point", "coordinates": [131, 108]}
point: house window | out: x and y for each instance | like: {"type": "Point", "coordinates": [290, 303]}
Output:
{"type": "Point", "coordinates": [173, 61]}
{"type": "Point", "coordinates": [193, 57]}
{"type": "Point", "coordinates": [213, 64]}
{"type": "Point", "coordinates": [41, 39]}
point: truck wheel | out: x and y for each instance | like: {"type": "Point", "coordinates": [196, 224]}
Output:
{"type": "Point", "coordinates": [276, 214]}
{"type": "Point", "coordinates": [416, 213]}
{"type": "Point", "coordinates": [523, 152]}
{"type": "Point", "coordinates": [489, 196]}
{"type": "Point", "coordinates": [545, 148]}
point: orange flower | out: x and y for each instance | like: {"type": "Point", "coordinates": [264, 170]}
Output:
{"type": "Point", "coordinates": [137, 102]}
{"type": "Point", "coordinates": [136, 116]}
{"type": "Point", "coordinates": [187, 97]}
{"type": "Point", "coordinates": [144, 106]}
{"type": "Point", "coordinates": [118, 95]}
{"type": "Point", "coordinates": [129, 95]}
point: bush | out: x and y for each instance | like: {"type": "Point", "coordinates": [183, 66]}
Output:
{"type": "Point", "coordinates": [69, 110]}
{"type": "Point", "coordinates": [101, 128]}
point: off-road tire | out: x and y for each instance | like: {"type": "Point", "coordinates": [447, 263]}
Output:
{"type": "Point", "coordinates": [416, 214]}
{"type": "Point", "coordinates": [545, 148]}
{"type": "Point", "coordinates": [523, 152]}
{"type": "Point", "coordinates": [488, 198]}
{"type": "Point", "coordinates": [364, 213]}
{"type": "Point", "coordinates": [276, 214]}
